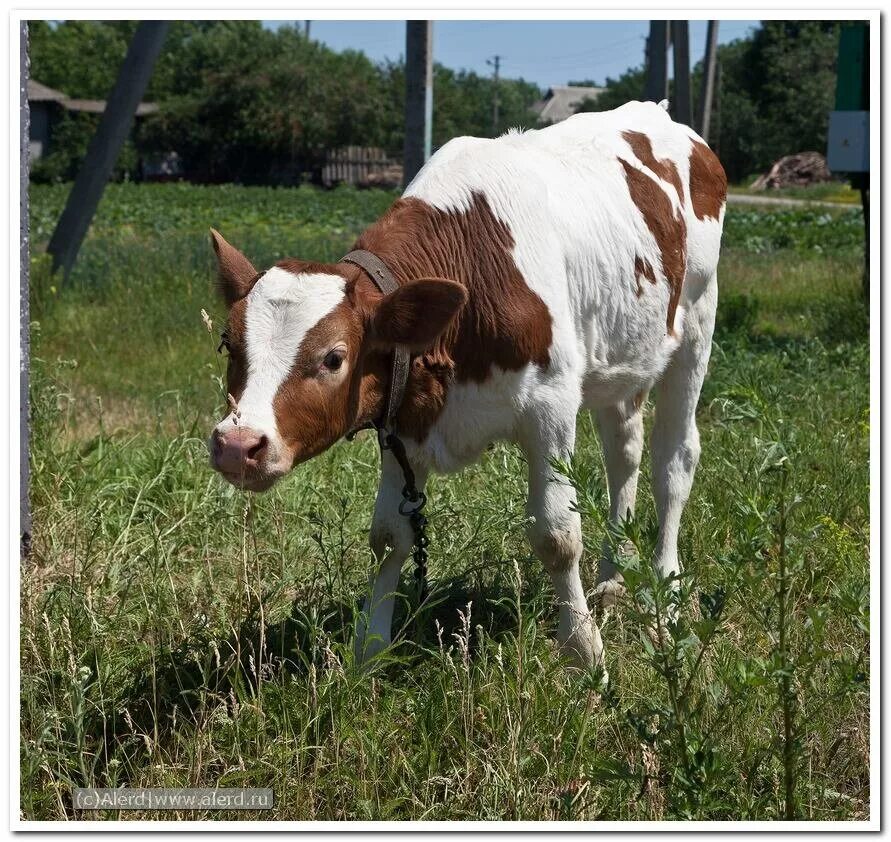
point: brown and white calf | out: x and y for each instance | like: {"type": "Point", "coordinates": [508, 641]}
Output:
{"type": "Point", "coordinates": [540, 273]}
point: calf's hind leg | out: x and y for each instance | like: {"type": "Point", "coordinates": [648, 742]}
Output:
{"type": "Point", "coordinates": [556, 533]}
{"type": "Point", "coordinates": [675, 439]}
{"type": "Point", "coordinates": [621, 436]}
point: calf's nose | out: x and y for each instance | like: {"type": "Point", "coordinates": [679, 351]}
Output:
{"type": "Point", "coordinates": [238, 449]}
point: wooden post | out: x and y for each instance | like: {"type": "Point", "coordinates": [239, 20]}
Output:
{"type": "Point", "coordinates": [418, 96]}
{"type": "Point", "coordinates": [24, 309]}
{"type": "Point", "coordinates": [105, 145]}
{"type": "Point", "coordinates": [657, 62]}
{"type": "Point", "coordinates": [682, 106]}
{"type": "Point", "coordinates": [708, 80]}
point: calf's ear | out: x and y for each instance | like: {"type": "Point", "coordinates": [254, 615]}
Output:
{"type": "Point", "coordinates": [417, 313]}
{"type": "Point", "coordinates": [236, 273]}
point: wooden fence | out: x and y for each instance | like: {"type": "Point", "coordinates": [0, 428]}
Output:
{"type": "Point", "coordinates": [360, 165]}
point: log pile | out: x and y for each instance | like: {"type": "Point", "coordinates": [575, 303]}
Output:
{"type": "Point", "coordinates": [799, 170]}
{"type": "Point", "coordinates": [387, 178]}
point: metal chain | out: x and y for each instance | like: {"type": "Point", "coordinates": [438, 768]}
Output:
{"type": "Point", "coordinates": [412, 506]}
{"type": "Point", "coordinates": [418, 521]}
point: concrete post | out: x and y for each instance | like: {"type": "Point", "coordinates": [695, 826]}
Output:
{"type": "Point", "coordinates": [97, 166]}
{"type": "Point", "coordinates": [418, 96]}
{"type": "Point", "coordinates": [657, 62]}
{"type": "Point", "coordinates": [708, 80]}
{"type": "Point", "coordinates": [682, 105]}
{"type": "Point", "coordinates": [24, 309]}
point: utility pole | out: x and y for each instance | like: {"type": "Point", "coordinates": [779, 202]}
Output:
{"type": "Point", "coordinates": [657, 62]}
{"type": "Point", "coordinates": [495, 63]}
{"type": "Point", "coordinates": [24, 310]}
{"type": "Point", "coordinates": [306, 29]}
{"type": "Point", "coordinates": [718, 107]}
{"type": "Point", "coordinates": [418, 96]}
{"type": "Point", "coordinates": [708, 80]}
{"type": "Point", "coordinates": [682, 106]}
{"type": "Point", "coordinates": [105, 145]}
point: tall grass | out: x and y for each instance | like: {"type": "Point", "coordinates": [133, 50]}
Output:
{"type": "Point", "coordinates": [176, 632]}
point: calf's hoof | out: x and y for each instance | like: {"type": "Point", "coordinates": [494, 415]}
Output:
{"type": "Point", "coordinates": [607, 594]}
{"type": "Point", "coordinates": [579, 659]}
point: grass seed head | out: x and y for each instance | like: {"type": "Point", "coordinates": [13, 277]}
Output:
{"type": "Point", "coordinates": [233, 406]}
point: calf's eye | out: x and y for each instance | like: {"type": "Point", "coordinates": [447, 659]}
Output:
{"type": "Point", "coordinates": [333, 360]}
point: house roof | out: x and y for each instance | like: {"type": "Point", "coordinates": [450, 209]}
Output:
{"type": "Point", "coordinates": [41, 93]}
{"type": "Point", "coordinates": [97, 106]}
{"type": "Point", "coordinates": [561, 102]}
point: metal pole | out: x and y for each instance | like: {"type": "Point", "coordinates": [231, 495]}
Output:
{"type": "Point", "coordinates": [718, 107]}
{"type": "Point", "coordinates": [682, 107]}
{"type": "Point", "coordinates": [106, 144]}
{"type": "Point", "coordinates": [657, 62]}
{"type": "Point", "coordinates": [24, 309]}
{"type": "Point", "coordinates": [496, 64]}
{"type": "Point", "coordinates": [708, 80]}
{"type": "Point", "coordinates": [418, 96]}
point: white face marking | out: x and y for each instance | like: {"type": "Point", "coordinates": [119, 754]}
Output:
{"type": "Point", "coordinates": [281, 308]}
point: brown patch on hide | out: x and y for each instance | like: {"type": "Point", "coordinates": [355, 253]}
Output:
{"type": "Point", "coordinates": [504, 323]}
{"type": "Point", "coordinates": [643, 268]}
{"type": "Point", "coordinates": [314, 407]}
{"type": "Point", "coordinates": [642, 148]}
{"type": "Point", "coordinates": [668, 228]}
{"type": "Point", "coordinates": [708, 182]}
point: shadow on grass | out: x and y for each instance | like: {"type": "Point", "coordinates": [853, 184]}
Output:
{"type": "Point", "coordinates": [190, 681]}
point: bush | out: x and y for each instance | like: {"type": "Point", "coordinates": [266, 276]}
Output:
{"type": "Point", "coordinates": [71, 135]}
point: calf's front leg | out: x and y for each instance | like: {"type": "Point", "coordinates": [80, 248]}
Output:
{"type": "Point", "coordinates": [391, 541]}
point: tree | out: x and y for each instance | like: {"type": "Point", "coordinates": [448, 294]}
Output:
{"type": "Point", "coordinates": [629, 86]}
{"type": "Point", "coordinates": [792, 68]}
{"type": "Point", "coordinates": [254, 105]}
{"type": "Point", "coordinates": [242, 103]}
{"type": "Point", "coordinates": [78, 57]}
{"type": "Point", "coordinates": [776, 90]}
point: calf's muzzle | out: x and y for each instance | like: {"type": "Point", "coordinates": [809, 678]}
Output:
{"type": "Point", "coordinates": [239, 454]}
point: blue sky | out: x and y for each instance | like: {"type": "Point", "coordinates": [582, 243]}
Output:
{"type": "Point", "coordinates": [545, 52]}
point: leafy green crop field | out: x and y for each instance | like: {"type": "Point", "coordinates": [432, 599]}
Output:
{"type": "Point", "coordinates": [176, 632]}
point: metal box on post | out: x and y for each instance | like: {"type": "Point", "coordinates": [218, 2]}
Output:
{"type": "Point", "coordinates": [848, 142]}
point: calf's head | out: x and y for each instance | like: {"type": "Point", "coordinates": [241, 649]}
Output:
{"type": "Point", "coordinates": [299, 338]}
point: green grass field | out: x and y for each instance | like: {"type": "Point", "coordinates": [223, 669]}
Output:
{"type": "Point", "coordinates": [832, 191]}
{"type": "Point", "coordinates": [176, 632]}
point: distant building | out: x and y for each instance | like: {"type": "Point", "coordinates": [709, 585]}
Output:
{"type": "Point", "coordinates": [561, 102]}
{"type": "Point", "coordinates": [47, 105]}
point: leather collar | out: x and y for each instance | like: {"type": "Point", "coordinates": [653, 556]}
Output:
{"type": "Point", "coordinates": [383, 279]}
